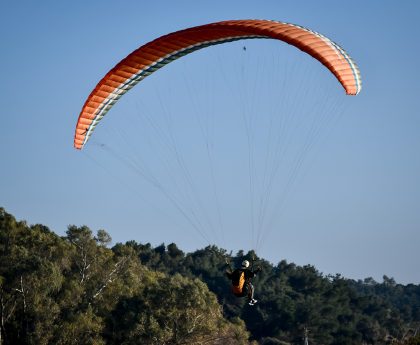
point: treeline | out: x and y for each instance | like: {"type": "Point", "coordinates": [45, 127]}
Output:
{"type": "Point", "coordinates": [76, 290]}
{"type": "Point", "coordinates": [294, 301]}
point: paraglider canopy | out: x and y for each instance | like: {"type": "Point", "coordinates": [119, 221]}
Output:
{"type": "Point", "coordinates": [161, 51]}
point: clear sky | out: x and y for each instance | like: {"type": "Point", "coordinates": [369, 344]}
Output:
{"type": "Point", "coordinates": [354, 208]}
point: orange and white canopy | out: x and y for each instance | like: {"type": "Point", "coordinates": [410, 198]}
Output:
{"type": "Point", "coordinates": [163, 50]}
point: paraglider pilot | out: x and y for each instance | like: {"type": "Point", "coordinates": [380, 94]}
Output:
{"type": "Point", "coordinates": [241, 281]}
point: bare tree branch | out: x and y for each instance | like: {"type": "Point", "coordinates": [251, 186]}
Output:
{"type": "Point", "coordinates": [117, 267]}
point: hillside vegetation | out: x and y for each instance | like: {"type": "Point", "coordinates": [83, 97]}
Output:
{"type": "Point", "coordinates": [77, 290]}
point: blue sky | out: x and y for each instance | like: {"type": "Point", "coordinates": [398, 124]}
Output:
{"type": "Point", "coordinates": [354, 209]}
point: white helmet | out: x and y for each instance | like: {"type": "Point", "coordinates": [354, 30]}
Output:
{"type": "Point", "coordinates": [245, 264]}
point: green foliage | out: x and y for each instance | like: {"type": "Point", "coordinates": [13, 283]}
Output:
{"type": "Point", "coordinates": [291, 298]}
{"type": "Point", "coordinates": [190, 314]}
{"type": "Point", "coordinates": [76, 290]}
